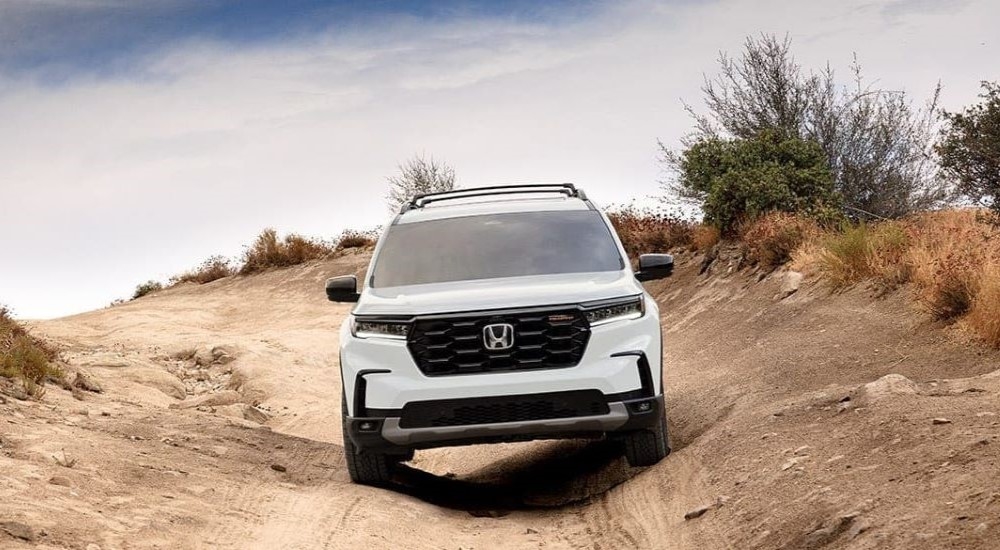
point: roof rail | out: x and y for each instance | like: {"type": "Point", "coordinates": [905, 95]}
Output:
{"type": "Point", "coordinates": [424, 199]}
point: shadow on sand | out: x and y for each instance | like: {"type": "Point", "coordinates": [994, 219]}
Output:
{"type": "Point", "coordinates": [552, 475]}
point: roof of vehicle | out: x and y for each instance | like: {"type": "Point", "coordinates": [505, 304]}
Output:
{"type": "Point", "coordinates": [496, 205]}
{"type": "Point", "coordinates": [478, 201]}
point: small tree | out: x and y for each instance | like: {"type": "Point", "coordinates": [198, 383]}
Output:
{"type": "Point", "coordinates": [740, 179]}
{"type": "Point", "coordinates": [970, 149]}
{"type": "Point", "coordinates": [418, 175]}
{"type": "Point", "coordinates": [877, 145]}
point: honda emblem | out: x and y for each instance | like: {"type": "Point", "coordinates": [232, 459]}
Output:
{"type": "Point", "coordinates": [498, 337]}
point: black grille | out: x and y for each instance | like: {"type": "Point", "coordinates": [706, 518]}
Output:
{"type": "Point", "coordinates": [515, 408]}
{"type": "Point", "coordinates": [453, 344]}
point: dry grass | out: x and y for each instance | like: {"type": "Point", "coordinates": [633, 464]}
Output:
{"type": "Point", "coordinates": [212, 269]}
{"type": "Point", "coordinates": [771, 239]}
{"type": "Point", "coordinates": [705, 237]}
{"type": "Point", "coordinates": [269, 251]}
{"type": "Point", "coordinates": [951, 258]}
{"type": "Point", "coordinates": [950, 253]}
{"type": "Point", "coordinates": [24, 358]}
{"type": "Point", "coordinates": [984, 315]}
{"type": "Point", "coordinates": [875, 253]}
{"type": "Point", "coordinates": [351, 238]}
{"type": "Point", "coordinates": [646, 231]}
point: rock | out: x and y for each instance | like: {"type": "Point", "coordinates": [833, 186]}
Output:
{"type": "Point", "coordinates": [222, 355]}
{"type": "Point", "coordinates": [60, 481]}
{"type": "Point", "coordinates": [940, 421]}
{"type": "Point", "coordinates": [203, 357]}
{"type": "Point", "coordinates": [157, 379]}
{"type": "Point", "coordinates": [243, 411]}
{"type": "Point", "coordinates": [16, 391]}
{"type": "Point", "coordinates": [801, 450]}
{"type": "Point", "coordinates": [697, 512]}
{"type": "Point", "coordinates": [888, 386]}
{"type": "Point", "coordinates": [254, 414]}
{"type": "Point", "coordinates": [709, 258]}
{"type": "Point", "coordinates": [530, 531]}
{"type": "Point", "coordinates": [93, 546]}
{"type": "Point", "coordinates": [823, 535]}
{"type": "Point", "coordinates": [87, 383]}
{"type": "Point", "coordinates": [790, 284]}
{"type": "Point", "coordinates": [18, 530]}
{"type": "Point", "coordinates": [226, 397]}
{"type": "Point", "coordinates": [857, 529]}
{"type": "Point", "coordinates": [278, 468]}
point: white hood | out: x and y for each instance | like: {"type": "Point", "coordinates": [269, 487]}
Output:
{"type": "Point", "coordinates": [509, 292]}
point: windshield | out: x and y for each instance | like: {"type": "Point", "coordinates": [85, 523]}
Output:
{"type": "Point", "coordinates": [496, 245]}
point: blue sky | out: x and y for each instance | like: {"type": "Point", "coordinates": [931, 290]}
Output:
{"type": "Point", "coordinates": [63, 38]}
{"type": "Point", "coordinates": [140, 137]}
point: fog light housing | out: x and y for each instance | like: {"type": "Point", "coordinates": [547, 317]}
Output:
{"type": "Point", "coordinates": [368, 426]}
{"type": "Point", "coordinates": [641, 406]}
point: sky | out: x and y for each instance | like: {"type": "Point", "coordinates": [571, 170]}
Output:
{"type": "Point", "coordinates": [139, 137]}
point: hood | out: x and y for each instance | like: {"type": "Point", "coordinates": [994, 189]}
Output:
{"type": "Point", "coordinates": [509, 292]}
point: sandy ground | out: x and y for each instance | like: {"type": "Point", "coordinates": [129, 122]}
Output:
{"type": "Point", "coordinates": [218, 427]}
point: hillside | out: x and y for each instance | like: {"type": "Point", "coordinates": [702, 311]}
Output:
{"type": "Point", "coordinates": [218, 427]}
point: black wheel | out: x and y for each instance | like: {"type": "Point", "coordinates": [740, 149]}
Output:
{"type": "Point", "coordinates": [647, 447]}
{"type": "Point", "coordinates": [366, 467]}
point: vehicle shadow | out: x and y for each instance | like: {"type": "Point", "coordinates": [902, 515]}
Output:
{"type": "Point", "coordinates": [553, 474]}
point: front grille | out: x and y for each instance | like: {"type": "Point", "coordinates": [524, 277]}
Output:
{"type": "Point", "coordinates": [491, 410]}
{"type": "Point", "coordinates": [453, 344]}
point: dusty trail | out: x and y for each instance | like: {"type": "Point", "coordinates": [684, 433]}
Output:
{"type": "Point", "coordinates": [219, 427]}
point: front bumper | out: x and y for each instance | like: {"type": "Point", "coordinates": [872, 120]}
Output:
{"type": "Point", "coordinates": [384, 433]}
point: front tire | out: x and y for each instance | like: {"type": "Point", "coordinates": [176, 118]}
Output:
{"type": "Point", "coordinates": [366, 467]}
{"type": "Point", "coordinates": [647, 447]}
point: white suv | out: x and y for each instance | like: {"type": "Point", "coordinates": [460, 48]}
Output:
{"type": "Point", "coordinates": [495, 314]}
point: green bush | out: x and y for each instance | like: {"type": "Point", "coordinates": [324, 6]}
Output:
{"type": "Point", "coordinates": [741, 179]}
{"type": "Point", "coordinates": [147, 287]}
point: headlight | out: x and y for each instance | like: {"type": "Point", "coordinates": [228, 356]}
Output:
{"type": "Point", "coordinates": [392, 330]}
{"type": "Point", "coordinates": [632, 309]}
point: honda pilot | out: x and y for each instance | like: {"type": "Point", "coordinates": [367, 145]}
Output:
{"type": "Point", "coordinates": [496, 314]}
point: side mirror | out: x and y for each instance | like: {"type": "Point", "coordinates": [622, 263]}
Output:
{"type": "Point", "coordinates": [654, 266]}
{"type": "Point", "coordinates": [342, 289]}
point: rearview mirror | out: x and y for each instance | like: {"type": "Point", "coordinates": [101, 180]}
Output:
{"type": "Point", "coordinates": [342, 289]}
{"type": "Point", "coordinates": [654, 266]}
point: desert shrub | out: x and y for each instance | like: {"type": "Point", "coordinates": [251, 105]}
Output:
{"type": "Point", "coordinates": [648, 231]}
{"type": "Point", "coordinates": [705, 237]}
{"type": "Point", "coordinates": [771, 239]}
{"type": "Point", "coordinates": [145, 288]}
{"type": "Point", "coordinates": [24, 358]}
{"type": "Point", "coordinates": [214, 268]}
{"type": "Point", "coordinates": [352, 238]}
{"type": "Point", "coordinates": [984, 315]}
{"type": "Point", "coordinates": [269, 251]}
{"type": "Point", "coordinates": [740, 179]}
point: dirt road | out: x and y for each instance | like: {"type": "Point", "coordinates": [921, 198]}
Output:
{"type": "Point", "coordinates": [218, 427]}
